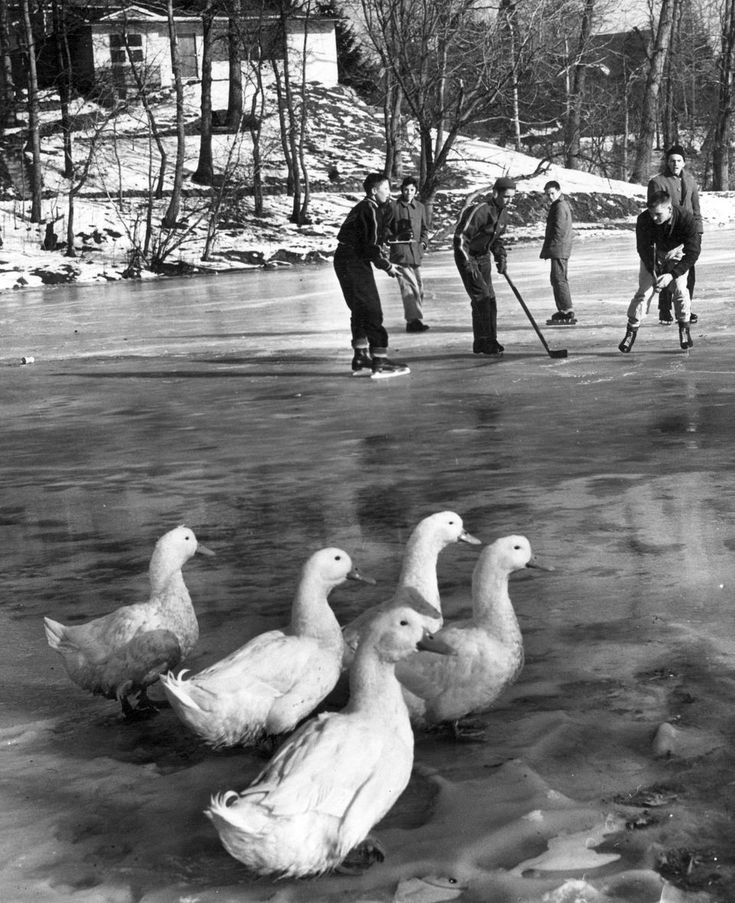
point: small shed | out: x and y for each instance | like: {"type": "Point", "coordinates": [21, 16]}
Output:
{"type": "Point", "coordinates": [113, 52]}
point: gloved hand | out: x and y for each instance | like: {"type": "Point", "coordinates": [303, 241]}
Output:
{"type": "Point", "coordinates": [663, 280]}
{"type": "Point", "coordinates": [473, 268]}
{"type": "Point", "coordinates": [501, 264]}
{"type": "Point", "coordinates": [392, 271]}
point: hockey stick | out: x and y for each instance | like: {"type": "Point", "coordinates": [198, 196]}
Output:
{"type": "Point", "coordinates": [560, 352]}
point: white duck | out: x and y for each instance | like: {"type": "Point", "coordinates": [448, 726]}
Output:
{"type": "Point", "coordinates": [488, 646]}
{"type": "Point", "coordinates": [418, 586]}
{"type": "Point", "coordinates": [338, 775]}
{"type": "Point", "coordinates": [125, 651]}
{"type": "Point", "coordinates": [275, 680]}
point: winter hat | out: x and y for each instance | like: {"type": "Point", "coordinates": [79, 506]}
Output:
{"type": "Point", "coordinates": [676, 149]}
{"type": "Point", "coordinates": [504, 183]}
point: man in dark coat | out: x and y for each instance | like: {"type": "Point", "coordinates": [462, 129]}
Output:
{"type": "Point", "coordinates": [557, 247]}
{"type": "Point", "coordinates": [668, 245]}
{"type": "Point", "coordinates": [682, 188]}
{"type": "Point", "coordinates": [477, 236]}
{"type": "Point", "coordinates": [409, 240]}
{"type": "Point", "coordinates": [360, 248]}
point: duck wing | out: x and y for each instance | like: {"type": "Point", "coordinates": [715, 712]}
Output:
{"type": "Point", "coordinates": [327, 766]}
{"type": "Point", "coordinates": [270, 663]}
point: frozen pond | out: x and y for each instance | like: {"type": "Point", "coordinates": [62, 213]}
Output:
{"type": "Point", "coordinates": [226, 403]}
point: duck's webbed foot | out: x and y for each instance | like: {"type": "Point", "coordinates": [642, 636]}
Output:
{"type": "Point", "coordinates": [361, 857]}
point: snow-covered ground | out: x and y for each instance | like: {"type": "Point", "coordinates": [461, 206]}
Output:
{"type": "Point", "coordinates": [345, 142]}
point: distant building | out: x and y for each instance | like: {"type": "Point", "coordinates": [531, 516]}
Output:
{"type": "Point", "coordinates": [111, 45]}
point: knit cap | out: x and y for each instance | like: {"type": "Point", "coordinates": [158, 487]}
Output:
{"type": "Point", "coordinates": [504, 183]}
{"type": "Point", "coordinates": [676, 149]}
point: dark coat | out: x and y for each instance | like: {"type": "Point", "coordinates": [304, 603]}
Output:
{"type": "Point", "coordinates": [680, 229]}
{"type": "Point", "coordinates": [362, 232]}
{"type": "Point", "coordinates": [479, 230]}
{"type": "Point", "coordinates": [558, 238]}
{"type": "Point", "coordinates": [683, 191]}
{"type": "Point", "coordinates": [408, 218]}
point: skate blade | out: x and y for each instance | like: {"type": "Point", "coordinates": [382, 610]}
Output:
{"type": "Point", "coordinates": [555, 324]}
{"type": "Point", "coordinates": [381, 374]}
{"type": "Point", "coordinates": [362, 372]}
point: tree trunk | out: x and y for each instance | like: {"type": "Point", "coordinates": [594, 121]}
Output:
{"type": "Point", "coordinates": [7, 85]}
{"type": "Point", "coordinates": [723, 120]}
{"type": "Point", "coordinates": [669, 119]}
{"type": "Point", "coordinates": [392, 103]}
{"type": "Point", "coordinates": [234, 50]}
{"type": "Point", "coordinates": [283, 131]}
{"type": "Point", "coordinates": [575, 104]}
{"type": "Point", "coordinates": [154, 133]}
{"type": "Point", "coordinates": [303, 211]}
{"type": "Point", "coordinates": [649, 112]}
{"type": "Point", "coordinates": [63, 63]}
{"type": "Point", "coordinates": [172, 213]}
{"type": "Point", "coordinates": [34, 135]}
{"type": "Point", "coordinates": [204, 174]}
{"type": "Point", "coordinates": [508, 10]}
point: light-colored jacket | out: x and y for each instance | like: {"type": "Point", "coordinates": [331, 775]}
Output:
{"type": "Point", "coordinates": [558, 238]}
{"type": "Point", "coordinates": [411, 253]}
{"type": "Point", "coordinates": [683, 191]}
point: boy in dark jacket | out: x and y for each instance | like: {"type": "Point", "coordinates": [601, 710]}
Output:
{"type": "Point", "coordinates": [557, 247]}
{"type": "Point", "coordinates": [360, 248]}
{"type": "Point", "coordinates": [667, 244]}
{"type": "Point", "coordinates": [478, 235]}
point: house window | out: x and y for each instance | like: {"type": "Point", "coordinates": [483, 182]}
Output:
{"type": "Point", "coordinates": [118, 53]}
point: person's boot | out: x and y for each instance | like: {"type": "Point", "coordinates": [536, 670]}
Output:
{"type": "Point", "coordinates": [630, 336]}
{"type": "Point", "coordinates": [383, 368]}
{"type": "Point", "coordinates": [362, 363]}
{"type": "Point", "coordinates": [685, 338]}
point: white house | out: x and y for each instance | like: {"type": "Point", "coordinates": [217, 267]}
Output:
{"type": "Point", "coordinates": [104, 48]}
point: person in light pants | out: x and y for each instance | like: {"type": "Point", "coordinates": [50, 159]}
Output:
{"type": "Point", "coordinates": [668, 245]}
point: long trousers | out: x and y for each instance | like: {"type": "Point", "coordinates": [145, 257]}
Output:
{"type": "Point", "coordinates": [640, 303]}
{"type": "Point", "coordinates": [482, 296]}
{"type": "Point", "coordinates": [560, 283]}
{"type": "Point", "coordinates": [360, 292]}
{"type": "Point", "coordinates": [412, 291]}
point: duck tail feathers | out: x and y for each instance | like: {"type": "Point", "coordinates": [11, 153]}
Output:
{"type": "Point", "coordinates": [221, 812]}
{"type": "Point", "coordinates": [177, 691]}
{"type": "Point", "coordinates": [55, 633]}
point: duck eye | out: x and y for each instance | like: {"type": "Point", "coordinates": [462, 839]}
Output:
{"type": "Point", "coordinates": [338, 558]}
{"type": "Point", "coordinates": [517, 548]}
{"type": "Point", "coordinates": [404, 623]}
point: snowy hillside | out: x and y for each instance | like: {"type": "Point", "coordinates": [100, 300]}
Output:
{"type": "Point", "coordinates": [344, 142]}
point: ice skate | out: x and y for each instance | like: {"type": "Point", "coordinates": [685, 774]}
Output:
{"type": "Point", "coordinates": [362, 363]}
{"type": "Point", "coordinates": [382, 368]}
{"type": "Point", "coordinates": [562, 318]}
{"type": "Point", "coordinates": [685, 338]}
{"type": "Point", "coordinates": [630, 335]}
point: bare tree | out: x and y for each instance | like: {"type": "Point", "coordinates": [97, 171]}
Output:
{"type": "Point", "coordinates": [7, 83]}
{"type": "Point", "coordinates": [723, 120]}
{"type": "Point", "coordinates": [447, 58]}
{"type": "Point", "coordinates": [204, 173]}
{"type": "Point", "coordinates": [64, 80]}
{"type": "Point", "coordinates": [172, 213]}
{"type": "Point", "coordinates": [649, 110]}
{"type": "Point", "coordinates": [234, 56]}
{"type": "Point", "coordinates": [576, 100]}
{"type": "Point", "coordinates": [34, 134]}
